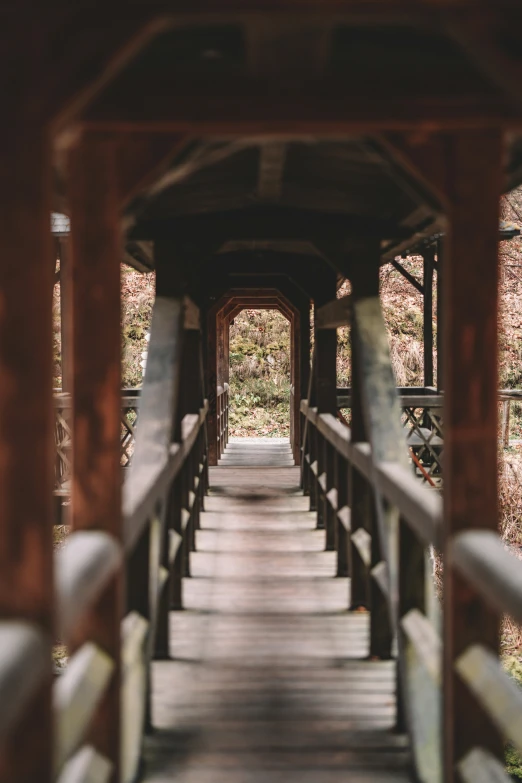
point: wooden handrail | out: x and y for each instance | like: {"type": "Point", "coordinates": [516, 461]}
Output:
{"type": "Point", "coordinates": [24, 664]}
{"type": "Point", "coordinates": [82, 570]}
{"type": "Point", "coordinates": [493, 571]}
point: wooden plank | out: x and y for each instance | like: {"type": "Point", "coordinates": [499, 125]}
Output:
{"type": "Point", "coordinates": [440, 315]}
{"type": "Point", "coordinates": [427, 644]}
{"type": "Point", "coordinates": [23, 669]}
{"type": "Point", "coordinates": [479, 766]}
{"type": "Point", "coordinates": [96, 498]}
{"type": "Point", "coordinates": [493, 571]}
{"type": "Point", "coordinates": [77, 695]}
{"type": "Point", "coordinates": [84, 566]}
{"type": "Point", "coordinates": [334, 314]}
{"type": "Point", "coordinates": [281, 691]}
{"type": "Point", "coordinates": [427, 286]}
{"type": "Point", "coordinates": [135, 642]}
{"type": "Point", "coordinates": [87, 766]}
{"type": "Point", "coordinates": [421, 673]}
{"type": "Point", "coordinates": [470, 419]}
{"type": "Point", "coordinates": [300, 112]}
{"type": "Point", "coordinates": [421, 508]}
{"type": "Point", "coordinates": [26, 415]}
{"type": "Point", "coordinates": [378, 409]}
{"type": "Point", "coordinates": [494, 689]}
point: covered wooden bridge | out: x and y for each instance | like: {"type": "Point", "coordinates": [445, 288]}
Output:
{"type": "Point", "coordinates": [253, 157]}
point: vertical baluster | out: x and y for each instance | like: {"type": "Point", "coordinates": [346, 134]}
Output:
{"type": "Point", "coordinates": [412, 595]}
{"type": "Point", "coordinates": [330, 513]}
{"type": "Point", "coordinates": [312, 436]}
{"type": "Point", "coordinates": [343, 535]}
{"type": "Point", "coordinates": [305, 455]}
{"type": "Point", "coordinates": [320, 480]}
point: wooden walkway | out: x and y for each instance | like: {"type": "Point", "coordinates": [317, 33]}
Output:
{"type": "Point", "coordinates": [268, 682]}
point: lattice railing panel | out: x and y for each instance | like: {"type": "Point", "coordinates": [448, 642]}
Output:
{"type": "Point", "coordinates": [425, 441]}
{"type": "Point", "coordinates": [63, 436]}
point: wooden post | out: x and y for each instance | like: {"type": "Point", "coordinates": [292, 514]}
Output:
{"type": "Point", "coordinates": [329, 513]}
{"type": "Point", "coordinates": [428, 316]}
{"type": "Point", "coordinates": [440, 316]}
{"type": "Point", "coordinates": [365, 282]}
{"type": "Point", "coordinates": [26, 421]}
{"type": "Point", "coordinates": [343, 542]}
{"type": "Point", "coordinates": [96, 492]}
{"type": "Point", "coordinates": [325, 382]}
{"type": "Point", "coordinates": [470, 419]}
{"type": "Point", "coordinates": [65, 312]}
{"type": "Point", "coordinates": [211, 386]}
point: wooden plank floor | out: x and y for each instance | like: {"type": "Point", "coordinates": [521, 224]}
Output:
{"type": "Point", "coordinates": [267, 683]}
{"type": "Point", "coordinates": [261, 452]}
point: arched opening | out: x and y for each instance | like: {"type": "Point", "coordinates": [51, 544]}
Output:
{"type": "Point", "coordinates": [259, 374]}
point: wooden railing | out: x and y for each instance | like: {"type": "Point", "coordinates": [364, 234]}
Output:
{"type": "Point", "coordinates": [108, 671]}
{"type": "Point", "coordinates": [385, 526]}
{"type": "Point", "coordinates": [508, 398]}
{"type": "Point", "coordinates": [421, 417]}
{"type": "Point", "coordinates": [222, 416]}
{"type": "Point", "coordinates": [63, 438]}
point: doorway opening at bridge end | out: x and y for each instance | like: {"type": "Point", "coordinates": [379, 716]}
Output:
{"type": "Point", "coordinates": [259, 374]}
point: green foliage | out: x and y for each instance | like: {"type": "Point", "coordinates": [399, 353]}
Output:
{"type": "Point", "coordinates": [260, 374]}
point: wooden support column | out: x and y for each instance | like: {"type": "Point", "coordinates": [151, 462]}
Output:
{"type": "Point", "coordinates": [440, 316]}
{"type": "Point", "coordinates": [96, 340]}
{"type": "Point", "coordinates": [26, 423]}
{"type": "Point", "coordinates": [304, 327]}
{"type": "Point", "coordinates": [65, 312]}
{"type": "Point", "coordinates": [325, 379]}
{"type": "Point", "coordinates": [365, 282]}
{"type": "Point", "coordinates": [211, 384]}
{"type": "Point", "coordinates": [470, 419]}
{"type": "Point", "coordinates": [428, 316]}
{"type": "Point", "coordinates": [295, 398]}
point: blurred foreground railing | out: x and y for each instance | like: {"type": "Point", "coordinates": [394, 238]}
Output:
{"type": "Point", "coordinates": [385, 527]}
{"type": "Point", "coordinates": [113, 627]}
{"type": "Point", "coordinates": [63, 434]}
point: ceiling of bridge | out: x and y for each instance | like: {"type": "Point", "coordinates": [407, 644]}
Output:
{"type": "Point", "coordinates": [272, 96]}
{"type": "Point", "coordinates": [283, 195]}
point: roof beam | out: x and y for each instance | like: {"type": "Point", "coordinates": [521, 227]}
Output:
{"type": "Point", "coordinates": [329, 109]}
{"type": "Point", "coordinates": [488, 39]}
{"type": "Point", "coordinates": [272, 159]}
{"type": "Point", "coordinates": [265, 223]}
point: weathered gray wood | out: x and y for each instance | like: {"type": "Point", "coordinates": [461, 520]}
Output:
{"type": "Point", "coordinates": [86, 766]}
{"type": "Point", "coordinates": [140, 500]}
{"type": "Point", "coordinates": [135, 635]}
{"type": "Point", "coordinates": [363, 542]}
{"type": "Point", "coordinates": [479, 766]}
{"type": "Point", "coordinates": [160, 388]}
{"type": "Point", "coordinates": [421, 674]}
{"type": "Point", "coordinates": [495, 690]}
{"type": "Point", "coordinates": [334, 314]}
{"type": "Point", "coordinates": [83, 567]}
{"type": "Point", "coordinates": [77, 694]}
{"type": "Point", "coordinates": [267, 681]}
{"type": "Point", "coordinates": [426, 641]}
{"type": "Point", "coordinates": [23, 667]}
{"type": "Point", "coordinates": [422, 509]}
{"type": "Point", "coordinates": [492, 570]}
